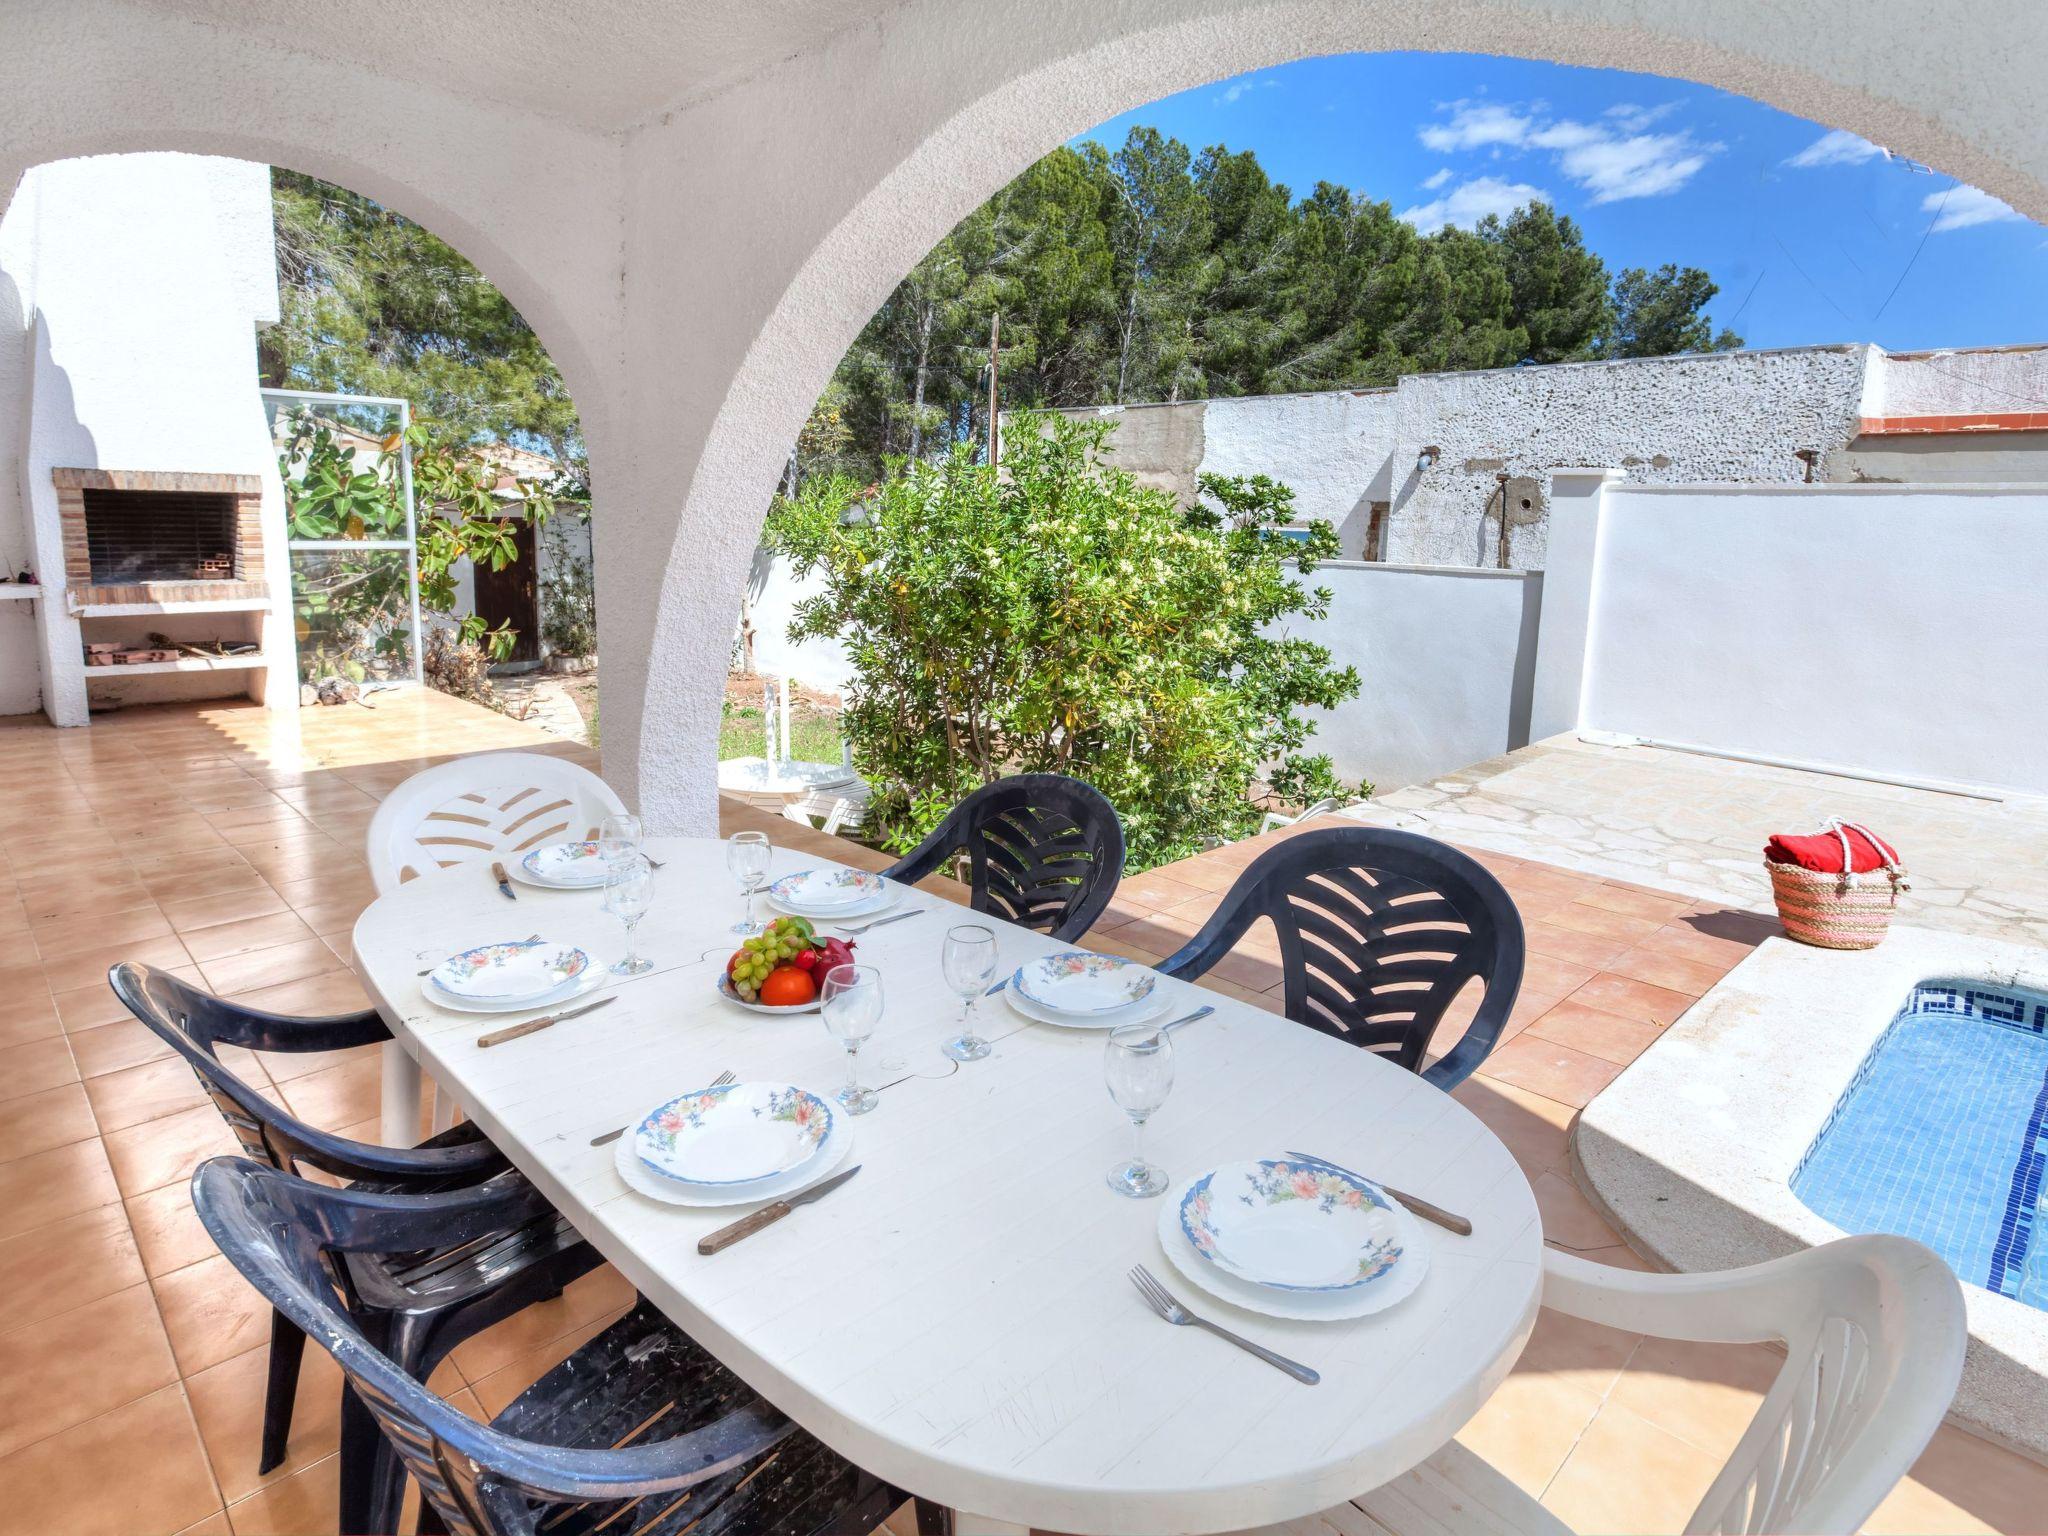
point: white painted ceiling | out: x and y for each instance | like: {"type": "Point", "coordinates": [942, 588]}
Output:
{"type": "Point", "coordinates": [608, 64]}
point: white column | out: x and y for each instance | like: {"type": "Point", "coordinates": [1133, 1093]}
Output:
{"type": "Point", "coordinates": [1567, 617]}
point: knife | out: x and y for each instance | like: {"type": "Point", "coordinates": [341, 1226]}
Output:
{"type": "Point", "coordinates": [768, 1215]}
{"type": "Point", "coordinates": [992, 991]}
{"type": "Point", "coordinates": [535, 1026]}
{"type": "Point", "coordinates": [504, 882]}
{"type": "Point", "coordinates": [1415, 1203]}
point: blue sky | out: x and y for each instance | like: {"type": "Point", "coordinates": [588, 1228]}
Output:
{"type": "Point", "coordinates": [1813, 236]}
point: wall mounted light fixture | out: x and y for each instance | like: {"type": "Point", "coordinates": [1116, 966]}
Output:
{"type": "Point", "coordinates": [1426, 459]}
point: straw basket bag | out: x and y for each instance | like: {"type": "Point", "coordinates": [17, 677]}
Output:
{"type": "Point", "coordinates": [1839, 910]}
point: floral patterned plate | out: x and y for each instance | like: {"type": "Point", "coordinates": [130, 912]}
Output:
{"type": "Point", "coordinates": [867, 906]}
{"type": "Point", "coordinates": [811, 892]}
{"type": "Point", "coordinates": [1292, 1226]}
{"type": "Point", "coordinates": [642, 1179]}
{"type": "Point", "coordinates": [737, 1133]}
{"type": "Point", "coordinates": [564, 866]}
{"type": "Point", "coordinates": [1075, 982]}
{"type": "Point", "coordinates": [512, 974]}
{"type": "Point", "coordinates": [1147, 1007]}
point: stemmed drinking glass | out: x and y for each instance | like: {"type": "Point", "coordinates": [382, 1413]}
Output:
{"type": "Point", "coordinates": [968, 962]}
{"type": "Point", "coordinates": [853, 1007]}
{"type": "Point", "coordinates": [618, 839]}
{"type": "Point", "coordinates": [747, 855]}
{"type": "Point", "coordinates": [1138, 1066]}
{"type": "Point", "coordinates": [628, 893]}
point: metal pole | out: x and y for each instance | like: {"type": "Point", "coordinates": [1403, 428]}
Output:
{"type": "Point", "coordinates": [995, 338]}
{"type": "Point", "coordinates": [412, 540]}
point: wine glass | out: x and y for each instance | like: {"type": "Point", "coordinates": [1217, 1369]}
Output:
{"type": "Point", "coordinates": [628, 893]}
{"type": "Point", "coordinates": [853, 1007]}
{"type": "Point", "coordinates": [746, 855]}
{"type": "Point", "coordinates": [1138, 1067]}
{"type": "Point", "coordinates": [618, 838]}
{"type": "Point", "coordinates": [968, 962]}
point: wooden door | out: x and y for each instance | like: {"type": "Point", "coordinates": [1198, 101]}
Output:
{"type": "Point", "coordinates": [512, 596]}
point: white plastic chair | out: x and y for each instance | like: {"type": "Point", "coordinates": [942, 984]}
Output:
{"type": "Point", "coordinates": [480, 809]}
{"type": "Point", "coordinates": [1873, 1330]}
{"type": "Point", "coordinates": [1273, 819]}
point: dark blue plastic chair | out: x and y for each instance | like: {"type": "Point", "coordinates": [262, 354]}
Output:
{"type": "Point", "coordinates": [566, 1457]}
{"type": "Point", "coordinates": [1379, 931]}
{"type": "Point", "coordinates": [418, 1304]}
{"type": "Point", "coordinates": [1042, 850]}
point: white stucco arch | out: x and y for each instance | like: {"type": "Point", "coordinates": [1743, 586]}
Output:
{"type": "Point", "coordinates": [697, 255]}
{"type": "Point", "coordinates": [1091, 65]}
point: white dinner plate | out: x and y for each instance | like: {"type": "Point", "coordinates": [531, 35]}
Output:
{"type": "Point", "coordinates": [593, 977]}
{"type": "Point", "coordinates": [1078, 984]}
{"type": "Point", "coordinates": [890, 894]}
{"type": "Point", "coordinates": [734, 1133]}
{"type": "Point", "coordinates": [1292, 1226]}
{"type": "Point", "coordinates": [513, 973]}
{"type": "Point", "coordinates": [1149, 1008]}
{"type": "Point", "coordinates": [724, 985]}
{"type": "Point", "coordinates": [1396, 1286]}
{"type": "Point", "coordinates": [574, 866]}
{"type": "Point", "coordinates": [644, 1180]}
{"type": "Point", "coordinates": [825, 892]}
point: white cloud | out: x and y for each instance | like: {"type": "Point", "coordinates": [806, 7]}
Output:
{"type": "Point", "coordinates": [1467, 204]}
{"type": "Point", "coordinates": [1835, 147]}
{"type": "Point", "coordinates": [1238, 89]}
{"type": "Point", "coordinates": [1431, 183]}
{"type": "Point", "coordinates": [1613, 159]}
{"type": "Point", "coordinates": [1962, 206]}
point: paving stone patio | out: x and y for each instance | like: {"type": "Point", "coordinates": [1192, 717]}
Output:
{"type": "Point", "coordinates": [226, 844]}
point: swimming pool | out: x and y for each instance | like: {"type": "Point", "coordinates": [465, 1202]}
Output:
{"type": "Point", "coordinates": [1942, 1135]}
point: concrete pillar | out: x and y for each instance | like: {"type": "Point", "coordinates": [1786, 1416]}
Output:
{"type": "Point", "coordinates": [1568, 579]}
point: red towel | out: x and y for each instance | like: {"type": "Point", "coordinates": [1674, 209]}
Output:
{"type": "Point", "coordinates": [1822, 851]}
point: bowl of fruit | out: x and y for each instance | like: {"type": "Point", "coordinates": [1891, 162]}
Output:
{"type": "Point", "coordinates": [782, 968]}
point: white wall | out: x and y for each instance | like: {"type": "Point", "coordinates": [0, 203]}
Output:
{"type": "Point", "coordinates": [1959, 382]}
{"type": "Point", "coordinates": [1445, 658]}
{"type": "Point", "coordinates": [1335, 447]}
{"type": "Point", "coordinates": [1894, 630]}
{"type": "Point", "coordinates": [140, 281]}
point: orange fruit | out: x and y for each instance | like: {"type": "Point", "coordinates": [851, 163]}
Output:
{"type": "Point", "coordinates": [787, 986]}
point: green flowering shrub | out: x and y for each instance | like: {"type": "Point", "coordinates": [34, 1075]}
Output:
{"type": "Point", "coordinates": [1058, 617]}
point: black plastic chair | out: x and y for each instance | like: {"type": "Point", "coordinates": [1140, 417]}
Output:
{"type": "Point", "coordinates": [417, 1303]}
{"type": "Point", "coordinates": [1043, 850]}
{"type": "Point", "coordinates": [1379, 931]}
{"type": "Point", "coordinates": [562, 1457]}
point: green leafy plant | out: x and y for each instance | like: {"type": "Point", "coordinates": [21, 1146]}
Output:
{"type": "Point", "coordinates": [1056, 616]}
{"type": "Point", "coordinates": [569, 626]}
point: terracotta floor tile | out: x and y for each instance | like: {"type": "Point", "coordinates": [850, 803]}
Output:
{"type": "Point", "coordinates": [502, 1385]}
{"type": "Point", "coordinates": [1527, 1428]}
{"type": "Point", "coordinates": [308, 1501]}
{"type": "Point", "coordinates": [89, 1481]}
{"type": "Point", "coordinates": [1705, 1394]}
{"type": "Point", "coordinates": [80, 1364]}
{"type": "Point", "coordinates": [35, 1067]}
{"type": "Point", "coordinates": [29, 1014]}
{"type": "Point", "coordinates": [18, 952]}
{"type": "Point", "coordinates": [1569, 1219]}
{"type": "Point", "coordinates": [339, 1096]}
{"type": "Point", "coordinates": [54, 1184]}
{"type": "Point", "coordinates": [1689, 977]}
{"type": "Point", "coordinates": [158, 1151]}
{"type": "Point", "coordinates": [88, 967]}
{"type": "Point", "coordinates": [91, 1006]}
{"type": "Point", "coordinates": [76, 935]}
{"type": "Point", "coordinates": [215, 1524]}
{"type": "Point", "coordinates": [227, 1400]}
{"type": "Point", "coordinates": [1588, 1356]}
{"type": "Point", "coordinates": [1582, 917]}
{"type": "Point", "coordinates": [1626, 1476]}
{"type": "Point", "coordinates": [267, 967]}
{"type": "Point", "coordinates": [1590, 949]}
{"type": "Point", "coordinates": [211, 1313]}
{"type": "Point", "coordinates": [1530, 1126]}
{"type": "Point", "coordinates": [1554, 977]}
{"type": "Point", "coordinates": [284, 1066]}
{"type": "Point", "coordinates": [51, 1118]}
{"type": "Point", "coordinates": [1633, 999]}
{"type": "Point", "coordinates": [246, 935]}
{"type": "Point", "coordinates": [116, 1047]}
{"type": "Point", "coordinates": [66, 1264]}
{"type": "Point", "coordinates": [1963, 1483]}
{"type": "Point", "coordinates": [233, 907]}
{"type": "Point", "coordinates": [337, 916]}
{"type": "Point", "coordinates": [85, 898]}
{"type": "Point", "coordinates": [1636, 901]}
{"type": "Point", "coordinates": [1556, 1071]}
{"type": "Point", "coordinates": [1596, 1032]}
{"type": "Point", "coordinates": [148, 1092]}
{"type": "Point", "coordinates": [604, 1292]}
{"type": "Point", "coordinates": [167, 1229]}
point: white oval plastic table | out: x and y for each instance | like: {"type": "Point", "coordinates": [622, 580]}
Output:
{"type": "Point", "coordinates": [957, 1318]}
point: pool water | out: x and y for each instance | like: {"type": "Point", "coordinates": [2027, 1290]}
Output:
{"type": "Point", "coordinates": [1942, 1135]}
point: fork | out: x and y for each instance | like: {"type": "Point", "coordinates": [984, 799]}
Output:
{"type": "Point", "coordinates": [611, 1136]}
{"type": "Point", "coordinates": [1161, 1301]}
{"type": "Point", "coordinates": [893, 917]}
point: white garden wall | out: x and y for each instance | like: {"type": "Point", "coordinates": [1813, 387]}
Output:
{"type": "Point", "coordinates": [1446, 658]}
{"type": "Point", "coordinates": [1890, 630]}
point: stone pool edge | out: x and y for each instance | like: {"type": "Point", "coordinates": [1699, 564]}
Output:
{"type": "Point", "coordinates": [1690, 1151]}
